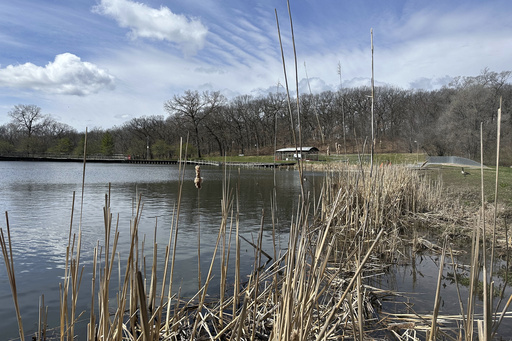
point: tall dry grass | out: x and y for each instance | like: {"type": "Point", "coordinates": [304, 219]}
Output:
{"type": "Point", "coordinates": [313, 288]}
{"type": "Point", "coordinates": [476, 321]}
{"type": "Point", "coordinates": [362, 205]}
{"type": "Point", "coordinates": [6, 246]}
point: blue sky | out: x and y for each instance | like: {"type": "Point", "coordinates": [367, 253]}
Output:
{"type": "Point", "coordinates": [99, 63]}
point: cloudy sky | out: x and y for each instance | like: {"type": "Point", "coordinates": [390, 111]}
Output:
{"type": "Point", "coordinates": [99, 63]}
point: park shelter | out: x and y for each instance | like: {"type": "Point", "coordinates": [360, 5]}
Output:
{"type": "Point", "coordinates": [306, 153]}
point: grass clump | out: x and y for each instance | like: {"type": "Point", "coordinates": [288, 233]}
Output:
{"type": "Point", "coordinates": [306, 291]}
{"type": "Point", "coordinates": [316, 288]}
{"type": "Point", "coordinates": [388, 199]}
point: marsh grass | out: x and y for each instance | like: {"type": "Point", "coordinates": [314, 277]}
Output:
{"type": "Point", "coordinates": [299, 292]}
{"type": "Point", "coordinates": [6, 246]}
{"type": "Point", "coordinates": [485, 231]}
{"type": "Point", "coordinates": [313, 288]}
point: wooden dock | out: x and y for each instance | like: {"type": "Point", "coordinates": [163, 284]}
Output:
{"type": "Point", "coordinates": [148, 162]}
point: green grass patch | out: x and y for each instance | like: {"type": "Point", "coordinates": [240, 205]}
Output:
{"type": "Point", "coordinates": [393, 158]}
{"type": "Point", "coordinates": [468, 187]}
{"type": "Point", "coordinates": [249, 158]}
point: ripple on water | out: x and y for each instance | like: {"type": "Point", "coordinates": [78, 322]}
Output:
{"type": "Point", "coordinates": [38, 197]}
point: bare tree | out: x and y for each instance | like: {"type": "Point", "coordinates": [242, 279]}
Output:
{"type": "Point", "coordinates": [26, 118]}
{"type": "Point", "coordinates": [146, 130]}
{"type": "Point", "coordinates": [194, 108]}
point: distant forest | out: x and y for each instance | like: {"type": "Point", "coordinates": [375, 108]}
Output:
{"type": "Point", "coordinates": [446, 121]}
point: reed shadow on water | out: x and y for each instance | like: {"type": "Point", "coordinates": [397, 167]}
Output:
{"type": "Point", "coordinates": [40, 216]}
{"type": "Point", "coordinates": [279, 268]}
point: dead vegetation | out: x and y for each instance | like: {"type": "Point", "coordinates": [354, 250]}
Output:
{"type": "Point", "coordinates": [315, 289]}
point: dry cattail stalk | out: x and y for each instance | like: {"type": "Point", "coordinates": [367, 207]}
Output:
{"type": "Point", "coordinates": [198, 179]}
{"type": "Point", "coordinates": [398, 326]}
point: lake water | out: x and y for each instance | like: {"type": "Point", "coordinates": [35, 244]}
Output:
{"type": "Point", "coordinates": [38, 199]}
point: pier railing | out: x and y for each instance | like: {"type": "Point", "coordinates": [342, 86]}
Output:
{"type": "Point", "coordinates": [119, 158]}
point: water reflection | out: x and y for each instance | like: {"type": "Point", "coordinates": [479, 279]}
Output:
{"type": "Point", "coordinates": [415, 283]}
{"type": "Point", "coordinates": [39, 197]}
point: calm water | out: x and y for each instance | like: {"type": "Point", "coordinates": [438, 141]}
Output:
{"type": "Point", "coordinates": [416, 283]}
{"type": "Point", "coordinates": [38, 198]}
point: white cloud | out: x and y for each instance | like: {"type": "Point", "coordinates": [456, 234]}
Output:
{"type": "Point", "coordinates": [160, 24]}
{"type": "Point", "coordinates": [313, 84]}
{"type": "Point", "coordinates": [432, 45]}
{"type": "Point", "coordinates": [430, 83]}
{"type": "Point", "coordinates": [66, 75]}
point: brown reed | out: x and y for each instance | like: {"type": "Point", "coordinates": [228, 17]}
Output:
{"type": "Point", "coordinates": [301, 294]}
{"type": "Point", "coordinates": [313, 290]}
{"type": "Point", "coordinates": [9, 265]}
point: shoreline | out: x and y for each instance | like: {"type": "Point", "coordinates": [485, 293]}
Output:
{"type": "Point", "coordinates": [143, 161]}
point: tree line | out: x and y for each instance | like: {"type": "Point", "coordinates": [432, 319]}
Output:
{"type": "Point", "coordinates": [445, 121]}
